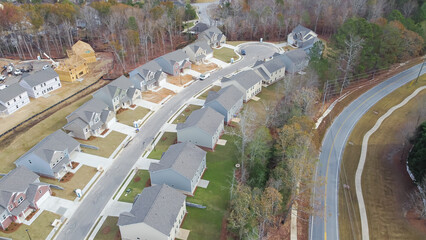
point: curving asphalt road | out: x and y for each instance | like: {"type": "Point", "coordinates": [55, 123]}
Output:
{"type": "Point", "coordinates": [203, 12]}
{"type": "Point", "coordinates": [326, 225]}
{"type": "Point", "coordinates": [78, 226]}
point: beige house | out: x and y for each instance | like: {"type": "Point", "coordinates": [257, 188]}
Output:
{"type": "Point", "coordinates": [72, 69]}
{"type": "Point", "coordinates": [84, 50]}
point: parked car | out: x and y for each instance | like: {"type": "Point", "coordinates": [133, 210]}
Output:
{"type": "Point", "coordinates": [17, 72]}
{"type": "Point", "coordinates": [243, 52]}
{"type": "Point", "coordinates": [46, 67]}
{"type": "Point", "coordinates": [2, 77]}
{"type": "Point", "coordinates": [9, 69]}
{"type": "Point", "coordinates": [204, 76]}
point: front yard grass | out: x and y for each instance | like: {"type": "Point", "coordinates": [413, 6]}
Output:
{"type": "Point", "coordinates": [157, 97]}
{"type": "Point", "coordinates": [236, 43]}
{"type": "Point", "coordinates": [136, 186]}
{"type": "Point", "coordinates": [109, 230]}
{"type": "Point", "coordinates": [39, 229]}
{"type": "Point", "coordinates": [206, 93]}
{"type": "Point", "coordinates": [78, 181]}
{"type": "Point", "coordinates": [25, 141]}
{"type": "Point", "coordinates": [207, 223]}
{"type": "Point", "coordinates": [167, 139]}
{"type": "Point", "coordinates": [179, 80]}
{"type": "Point", "coordinates": [106, 145]}
{"type": "Point", "coordinates": [185, 113]}
{"type": "Point", "coordinates": [225, 54]}
{"type": "Point", "coordinates": [128, 116]}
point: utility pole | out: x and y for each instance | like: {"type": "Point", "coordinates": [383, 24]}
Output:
{"type": "Point", "coordinates": [421, 68]}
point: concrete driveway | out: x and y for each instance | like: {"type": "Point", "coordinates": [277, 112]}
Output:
{"type": "Point", "coordinates": [90, 160]}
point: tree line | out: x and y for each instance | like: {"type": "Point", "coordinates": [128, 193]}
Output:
{"type": "Point", "coordinates": [135, 33]}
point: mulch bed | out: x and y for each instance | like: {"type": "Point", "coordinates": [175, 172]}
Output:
{"type": "Point", "coordinates": [12, 228]}
{"type": "Point", "coordinates": [104, 132]}
{"type": "Point", "coordinates": [31, 215]}
{"type": "Point", "coordinates": [74, 165]}
{"type": "Point", "coordinates": [67, 177]}
{"type": "Point", "coordinates": [148, 183]}
{"type": "Point", "coordinates": [122, 110]}
{"type": "Point", "coordinates": [136, 179]}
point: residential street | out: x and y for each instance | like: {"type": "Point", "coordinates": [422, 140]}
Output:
{"type": "Point", "coordinates": [202, 8]}
{"type": "Point", "coordinates": [78, 226]}
{"type": "Point", "coordinates": [325, 225]}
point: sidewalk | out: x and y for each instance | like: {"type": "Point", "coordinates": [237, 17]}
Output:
{"type": "Point", "coordinates": [91, 160]}
{"type": "Point", "coordinates": [218, 62]}
{"type": "Point", "coordinates": [123, 128]}
{"type": "Point", "coordinates": [196, 101]}
{"type": "Point", "coordinates": [172, 87]}
{"type": "Point", "coordinates": [147, 104]}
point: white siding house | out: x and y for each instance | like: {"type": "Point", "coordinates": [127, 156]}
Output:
{"type": "Point", "coordinates": [41, 83]}
{"type": "Point", "coordinates": [12, 98]}
{"type": "Point", "coordinates": [203, 128]}
{"type": "Point", "coordinates": [156, 214]}
{"type": "Point", "coordinates": [249, 82]}
{"type": "Point", "coordinates": [181, 167]}
{"type": "Point", "coordinates": [270, 70]}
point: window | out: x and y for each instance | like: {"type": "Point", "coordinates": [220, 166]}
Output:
{"type": "Point", "coordinates": [29, 161]}
{"type": "Point", "coordinates": [35, 88]}
{"type": "Point", "coordinates": [39, 191]}
{"type": "Point", "coordinates": [21, 199]}
{"type": "Point", "coordinates": [4, 216]}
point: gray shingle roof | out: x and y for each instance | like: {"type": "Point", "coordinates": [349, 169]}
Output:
{"type": "Point", "coordinates": [199, 27]}
{"type": "Point", "coordinates": [200, 44]}
{"type": "Point", "coordinates": [40, 77]}
{"type": "Point", "coordinates": [157, 206]}
{"type": "Point", "coordinates": [273, 65]}
{"type": "Point", "coordinates": [184, 158]}
{"type": "Point", "coordinates": [56, 142]}
{"type": "Point", "coordinates": [227, 97]}
{"type": "Point", "coordinates": [122, 82]}
{"type": "Point", "coordinates": [246, 79]}
{"type": "Point", "coordinates": [11, 92]}
{"type": "Point", "coordinates": [206, 119]}
{"type": "Point", "coordinates": [301, 29]}
{"type": "Point", "coordinates": [168, 60]}
{"type": "Point", "coordinates": [17, 180]}
{"type": "Point", "coordinates": [296, 56]}
{"type": "Point", "coordinates": [86, 111]}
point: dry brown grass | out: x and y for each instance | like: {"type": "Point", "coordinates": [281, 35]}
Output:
{"type": "Point", "coordinates": [156, 97]}
{"type": "Point", "coordinates": [204, 67]}
{"type": "Point", "coordinates": [381, 182]}
{"type": "Point", "coordinates": [179, 80]}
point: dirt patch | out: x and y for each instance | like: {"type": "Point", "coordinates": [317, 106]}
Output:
{"type": "Point", "coordinates": [103, 133]}
{"type": "Point", "coordinates": [121, 110]}
{"type": "Point", "coordinates": [204, 67]}
{"type": "Point", "coordinates": [157, 97]}
{"type": "Point", "coordinates": [106, 230]}
{"type": "Point", "coordinates": [136, 179]}
{"type": "Point", "coordinates": [179, 80]}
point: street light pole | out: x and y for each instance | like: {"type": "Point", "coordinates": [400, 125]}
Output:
{"type": "Point", "coordinates": [28, 232]}
{"type": "Point", "coordinates": [421, 68]}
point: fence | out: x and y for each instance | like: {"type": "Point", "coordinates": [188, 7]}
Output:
{"type": "Point", "coordinates": [47, 109]}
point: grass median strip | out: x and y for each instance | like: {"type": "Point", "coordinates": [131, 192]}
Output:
{"type": "Point", "coordinates": [109, 229]}
{"type": "Point", "coordinates": [167, 139]}
{"type": "Point", "coordinates": [206, 93]}
{"type": "Point", "coordinates": [106, 145]}
{"type": "Point", "coordinates": [128, 116]}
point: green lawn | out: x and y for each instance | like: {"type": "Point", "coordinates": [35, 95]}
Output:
{"type": "Point", "coordinates": [225, 54]}
{"type": "Point", "coordinates": [189, 25]}
{"type": "Point", "coordinates": [109, 230]}
{"type": "Point", "coordinates": [167, 139]}
{"type": "Point", "coordinates": [207, 223]}
{"type": "Point", "coordinates": [78, 181]}
{"type": "Point", "coordinates": [136, 185]}
{"type": "Point", "coordinates": [106, 145]}
{"type": "Point", "coordinates": [236, 43]}
{"type": "Point", "coordinates": [39, 229]}
{"type": "Point", "coordinates": [206, 93]}
{"type": "Point", "coordinates": [128, 116]}
{"type": "Point", "coordinates": [185, 113]}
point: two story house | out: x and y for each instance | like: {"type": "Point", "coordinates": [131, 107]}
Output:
{"type": "Point", "coordinates": [181, 167]}
{"type": "Point", "coordinates": [294, 60]}
{"type": "Point", "coordinates": [51, 157]}
{"type": "Point", "coordinates": [213, 36]}
{"type": "Point", "coordinates": [157, 213]}
{"type": "Point", "coordinates": [148, 76]}
{"type": "Point", "coordinates": [198, 51]}
{"type": "Point", "coordinates": [174, 63]}
{"type": "Point", "coordinates": [302, 37]}
{"type": "Point", "coordinates": [21, 193]}
{"type": "Point", "coordinates": [249, 82]}
{"type": "Point", "coordinates": [120, 93]}
{"type": "Point", "coordinates": [227, 101]}
{"type": "Point", "coordinates": [203, 128]}
{"type": "Point", "coordinates": [270, 70]}
{"type": "Point", "coordinates": [90, 119]}
{"type": "Point", "coordinates": [41, 82]}
{"type": "Point", "coordinates": [12, 98]}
